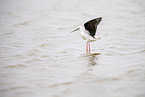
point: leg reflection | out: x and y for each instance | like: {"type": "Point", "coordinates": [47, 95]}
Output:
{"type": "Point", "coordinates": [93, 59]}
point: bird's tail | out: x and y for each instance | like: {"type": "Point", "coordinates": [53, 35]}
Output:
{"type": "Point", "coordinates": [97, 37]}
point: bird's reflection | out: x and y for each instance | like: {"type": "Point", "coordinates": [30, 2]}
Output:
{"type": "Point", "coordinates": [92, 58]}
{"type": "Point", "coordinates": [91, 61]}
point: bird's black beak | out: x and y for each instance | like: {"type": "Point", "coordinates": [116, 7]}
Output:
{"type": "Point", "coordinates": [74, 30]}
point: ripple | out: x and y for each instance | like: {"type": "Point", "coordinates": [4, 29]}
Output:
{"type": "Point", "coordinates": [58, 84]}
{"type": "Point", "coordinates": [34, 60]}
{"type": "Point", "coordinates": [17, 66]}
{"type": "Point", "coordinates": [22, 24]}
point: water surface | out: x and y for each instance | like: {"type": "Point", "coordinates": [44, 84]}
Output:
{"type": "Point", "coordinates": [40, 57]}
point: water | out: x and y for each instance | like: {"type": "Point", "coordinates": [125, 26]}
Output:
{"type": "Point", "coordinates": [40, 57]}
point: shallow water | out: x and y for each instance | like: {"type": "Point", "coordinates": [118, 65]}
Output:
{"type": "Point", "coordinates": [40, 57]}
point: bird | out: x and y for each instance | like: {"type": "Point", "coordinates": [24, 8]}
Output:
{"type": "Point", "coordinates": [89, 33]}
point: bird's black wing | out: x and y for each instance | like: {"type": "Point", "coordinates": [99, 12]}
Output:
{"type": "Point", "coordinates": [91, 25]}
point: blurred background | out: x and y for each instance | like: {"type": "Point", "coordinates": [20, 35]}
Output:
{"type": "Point", "coordinates": [40, 57]}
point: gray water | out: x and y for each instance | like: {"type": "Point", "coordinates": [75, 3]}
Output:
{"type": "Point", "coordinates": [39, 57]}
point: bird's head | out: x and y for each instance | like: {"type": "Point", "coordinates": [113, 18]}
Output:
{"type": "Point", "coordinates": [79, 28]}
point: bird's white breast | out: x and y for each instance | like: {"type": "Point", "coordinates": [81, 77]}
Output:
{"type": "Point", "coordinates": [86, 36]}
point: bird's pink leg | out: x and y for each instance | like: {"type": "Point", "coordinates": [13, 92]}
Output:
{"type": "Point", "coordinates": [89, 47]}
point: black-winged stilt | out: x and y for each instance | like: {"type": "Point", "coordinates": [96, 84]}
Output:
{"type": "Point", "coordinates": [90, 31]}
